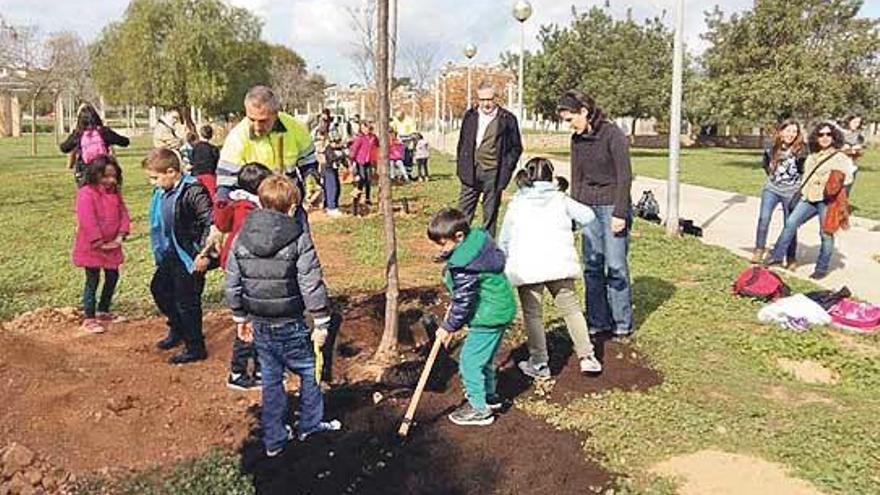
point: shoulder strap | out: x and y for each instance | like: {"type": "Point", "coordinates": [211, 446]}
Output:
{"type": "Point", "coordinates": [804, 183]}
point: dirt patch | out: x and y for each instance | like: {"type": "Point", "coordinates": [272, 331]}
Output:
{"type": "Point", "coordinates": [723, 473]}
{"type": "Point", "coordinates": [786, 396]}
{"type": "Point", "coordinates": [517, 454]}
{"type": "Point", "coordinates": [855, 344]}
{"type": "Point", "coordinates": [75, 399]}
{"type": "Point", "coordinates": [808, 371]}
{"type": "Point", "coordinates": [623, 369]}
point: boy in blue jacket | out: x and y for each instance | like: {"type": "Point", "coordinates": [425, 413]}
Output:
{"type": "Point", "coordinates": [180, 220]}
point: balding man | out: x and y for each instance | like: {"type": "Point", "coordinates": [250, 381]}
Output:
{"type": "Point", "coordinates": [489, 147]}
{"type": "Point", "coordinates": [268, 136]}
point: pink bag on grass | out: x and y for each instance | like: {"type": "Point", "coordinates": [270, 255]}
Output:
{"type": "Point", "coordinates": [855, 315]}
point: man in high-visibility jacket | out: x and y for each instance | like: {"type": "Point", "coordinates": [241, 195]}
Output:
{"type": "Point", "coordinates": [268, 136]}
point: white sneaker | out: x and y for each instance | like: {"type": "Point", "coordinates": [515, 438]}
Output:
{"type": "Point", "coordinates": [591, 365]}
{"type": "Point", "coordinates": [332, 425]}
{"type": "Point", "coordinates": [335, 213]}
{"type": "Point", "coordinates": [540, 371]}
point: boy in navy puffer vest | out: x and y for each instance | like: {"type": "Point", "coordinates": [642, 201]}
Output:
{"type": "Point", "coordinates": [272, 277]}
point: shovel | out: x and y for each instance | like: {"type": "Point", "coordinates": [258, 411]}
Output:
{"type": "Point", "coordinates": [430, 325]}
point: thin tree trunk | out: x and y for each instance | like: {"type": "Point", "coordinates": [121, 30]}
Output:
{"type": "Point", "coordinates": [34, 126]}
{"type": "Point", "coordinates": [388, 343]}
{"type": "Point", "coordinates": [392, 58]}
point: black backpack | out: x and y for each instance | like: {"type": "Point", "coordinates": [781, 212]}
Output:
{"type": "Point", "coordinates": [647, 208]}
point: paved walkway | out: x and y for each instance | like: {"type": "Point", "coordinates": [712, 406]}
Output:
{"type": "Point", "coordinates": [729, 220]}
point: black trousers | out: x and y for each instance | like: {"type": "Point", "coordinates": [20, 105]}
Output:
{"type": "Point", "coordinates": [242, 354]}
{"type": "Point", "coordinates": [90, 292]}
{"type": "Point", "coordinates": [491, 197]}
{"type": "Point", "coordinates": [178, 294]}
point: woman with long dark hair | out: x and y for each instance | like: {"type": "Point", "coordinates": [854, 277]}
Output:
{"type": "Point", "coordinates": [601, 178]}
{"type": "Point", "coordinates": [825, 166]}
{"type": "Point", "coordinates": [91, 139]}
{"type": "Point", "coordinates": [784, 165]}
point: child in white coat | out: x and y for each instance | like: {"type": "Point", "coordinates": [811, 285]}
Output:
{"type": "Point", "coordinates": [537, 238]}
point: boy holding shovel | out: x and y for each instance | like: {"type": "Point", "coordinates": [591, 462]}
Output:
{"type": "Point", "coordinates": [482, 299]}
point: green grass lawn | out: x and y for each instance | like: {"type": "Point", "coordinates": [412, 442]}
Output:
{"type": "Point", "coordinates": [740, 171]}
{"type": "Point", "coordinates": [721, 386]}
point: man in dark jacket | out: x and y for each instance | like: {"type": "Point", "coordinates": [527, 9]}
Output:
{"type": "Point", "coordinates": [489, 147]}
{"type": "Point", "coordinates": [601, 178]}
{"type": "Point", "coordinates": [181, 215]}
{"type": "Point", "coordinates": [272, 277]}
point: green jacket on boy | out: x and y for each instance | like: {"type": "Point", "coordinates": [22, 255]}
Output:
{"type": "Point", "coordinates": [482, 298]}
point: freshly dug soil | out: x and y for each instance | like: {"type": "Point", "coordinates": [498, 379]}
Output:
{"type": "Point", "coordinates": [110, 403]}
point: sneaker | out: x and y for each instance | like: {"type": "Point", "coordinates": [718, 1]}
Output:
{"type": "Point", "coordinates": [334, 213]}
{"type": "Point", "coordinates": [323, 426]}
{"type": "Point", "coordinates": [772, 262]}
{"type": "Point", "coordinates": [275, 452]}
{"type": "Point", "coordinates": [258, 379]}
{"type": "Point", "coordinates": [466, 415]}
{"type": "Point", "coordinates": [757, 256]}
{"type": "Point", "coordinates": [168, 343]}
{"type": "Point", "coordinates": [539, 371]}
{"type": "Point", "coordinates": [92, 326]}
{"type": "Point", "coordinates": [590, 364]}
{"type": "Point", "coordinates": [495, 402]}
{"type": "Point", "coordinates": [622, 333]}
{"type": "Point", "coordinates": [189, 356]}
{"type": "Point", "coordinates": [111, 318]}
{"type": "Point", "coordinates": [598, 331]}
{"type": "Point", "coordinates": [241, 382]}
{"type": "Point", "coordinates": [817, 275]}
{"type": "Point", "coordinates": [791, 264]}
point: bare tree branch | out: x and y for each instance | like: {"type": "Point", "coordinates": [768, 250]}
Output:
{"type": "Point", "coordinates": [362, 20]}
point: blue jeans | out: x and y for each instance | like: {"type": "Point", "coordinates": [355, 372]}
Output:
{"type": "Point", "coordinates": [282, 346]}
{"type": "Point", "coordinates": [331, 188]}
{"type": "Point", "coordinates": [606, 273]}
{"type": "Point", "coordinates": [769, 200]}
{"type": "Point", "coordinates": [803, 212]}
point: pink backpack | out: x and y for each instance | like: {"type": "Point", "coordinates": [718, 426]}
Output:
{"type": "Point", "coordinates": [92, 145]}
{"type": "Point", "coordinates": [855, 315]}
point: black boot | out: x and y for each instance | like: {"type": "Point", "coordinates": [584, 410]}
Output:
{"type": "Point", "coordinates": [190, 355]}
{"type": "Point", "coordinates": [169, 342]}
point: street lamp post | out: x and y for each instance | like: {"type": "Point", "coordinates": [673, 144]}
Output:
{"type": "Point", "coordinates": [469, 51]}
{"type": "Point", "coordinates": [522, 10]}
{"type": "Point", "coordinates": [672, 188]}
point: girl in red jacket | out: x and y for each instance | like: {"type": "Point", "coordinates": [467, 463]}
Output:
{"type": "Point", "coordinates": [102, 224]}
{"type": "Point", "coordinates": [229, 217]}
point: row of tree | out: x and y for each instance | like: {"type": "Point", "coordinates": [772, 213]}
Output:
{"type": "Point", "coordinates": [806, 59]}
{"type": "Point", "coordinates": [167, 53]}
{"type": "Point", "coordinates": [202, 53]}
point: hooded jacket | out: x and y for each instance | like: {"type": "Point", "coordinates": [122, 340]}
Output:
{"type": "Point", "coordinates": [273, 271]}
{"type": "Point", "coordinates": [537, 237]}
{"type": "Point", "coordinates": [481, 295]}
{"type": "Point", "coordinates": [229, 218]}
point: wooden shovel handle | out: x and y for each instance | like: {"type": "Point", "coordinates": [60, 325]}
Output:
{"type": "Point", "coordinates": [417, 395]}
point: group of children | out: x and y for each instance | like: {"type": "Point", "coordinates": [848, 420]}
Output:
{"type": "Point", "coordinates": [364, 154]}
{"type": "Point", "coordinates": [535, 251]}
{"type": "Point", "coordinates": [273, 276]}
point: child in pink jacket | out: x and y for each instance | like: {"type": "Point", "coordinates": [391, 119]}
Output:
{"type": "Point", "coordinates": [102, 224]}
{"type": "Point", "coordinates": [363, 152]}
{"type": "Point", "coordinates": [395, 157]}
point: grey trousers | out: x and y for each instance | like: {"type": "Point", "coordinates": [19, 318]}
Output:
{"type": "Point", "coordinates": [566, 300]}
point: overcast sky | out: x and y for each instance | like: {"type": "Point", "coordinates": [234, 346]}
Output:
{"type": "Point", "coordinates": [319, 29]}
